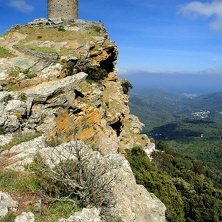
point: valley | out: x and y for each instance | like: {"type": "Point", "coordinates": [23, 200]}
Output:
{"type": "Point", "coordinates": [191, 124]}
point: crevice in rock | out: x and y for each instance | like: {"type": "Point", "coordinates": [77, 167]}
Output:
{"type": "Point", "coordinates": [78, 94]}
{"type": "Point", "coordinates": [117, 126]}
{"type": "Point", "coordinates": [108, 64]}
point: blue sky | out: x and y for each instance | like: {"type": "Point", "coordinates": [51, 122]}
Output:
{"type": "Point", "coordinates": [156, 38]}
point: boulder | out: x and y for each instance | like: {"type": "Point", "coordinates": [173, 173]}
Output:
{"type": "Point", "coordinates": [127, 200]}
{"type": "Point", "coordinates": [85, 215]}
{"type": "Point", "coordinates": [16, 106]}
{"type": "Point", "coordinates": [7, 204]}
{"type": "Point", "coordinates": [4, 139]}
{"type": "Point", "coordinates": [21, 155]}
{"type": "Point", "coordinates": [25, 217]}
{"type": "Point", "coordinates": [46, 90]}
{"type": "Point", "coordinates": [11, 124]}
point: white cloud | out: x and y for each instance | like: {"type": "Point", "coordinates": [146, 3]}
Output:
{"type": "Point", "coordinates": [210, 10]}
{"type": "Point", "coordinates": [21, 5]}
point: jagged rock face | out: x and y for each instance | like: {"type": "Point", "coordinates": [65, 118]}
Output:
{"type": "Point", "coordinates": [130, 202]}
{"type": "Point", "coordinates": [60, 80]}
{"type": "Point", "coordinates": [64, 84]}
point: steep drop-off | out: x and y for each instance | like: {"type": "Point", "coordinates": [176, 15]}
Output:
{"type": "Point", "coordinates": [58, 82]}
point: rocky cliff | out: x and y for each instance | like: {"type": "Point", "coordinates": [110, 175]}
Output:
{"type": "Point", "coordinates": [58, 82]}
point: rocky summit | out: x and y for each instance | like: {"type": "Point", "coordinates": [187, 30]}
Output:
{"type": "Point", "coordinates": [59, 88]}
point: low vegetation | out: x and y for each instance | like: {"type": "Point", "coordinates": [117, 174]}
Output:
{"type": "Point", "coordinates": [42, 49]}
{"type": "Point", "coordinates": [4, 52]}
{"type": "Point", "coordinates": [95, 73]}
{"type": "Point", "coordinates": [186, 186]}
{"type": "Point", "coordinates": [15, 77]}
{"type": "Point", "coordinates": [63, 189]}
{"type": "Point", "coordinates": [28, 187]}
{"type": "Point", "coordinates": [19, 138]}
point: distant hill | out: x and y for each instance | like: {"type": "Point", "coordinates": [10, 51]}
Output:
{"type": "Point", "coordinates": [190, 123]}
{"type": "Point", "coordinates": [157, 106]}
{"type": "Point", "coordinates": [211, 102]}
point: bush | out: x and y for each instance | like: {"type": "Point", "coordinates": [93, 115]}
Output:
{"type": "Point", "coordinates": [125, 83]}
{"type": "Point", "coordinates": [75, 178]}
{"type": "Point", "coordinates": [96, 73]}
{"type": "Point", "coordinates": [2, 130]}
{"type": "Point", "coordinates": [69, 66]}
{"type": "Point", "coordinates": [4, 52]}
{"type": "Point", "coordinates": [9, 217]}
{"type": "Point", "coordinates": [202, 201]}
{"type": "Point", "coordinates": [156, 182]}
{"type": "Point", "coordinates": [61, 29]}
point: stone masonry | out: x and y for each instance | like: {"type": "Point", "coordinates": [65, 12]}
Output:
{"type": "Point", "coordinates": [63, 9]}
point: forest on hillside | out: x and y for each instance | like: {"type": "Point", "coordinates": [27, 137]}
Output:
{"type": "Point", "coordinates": [192, 125]}
{"type": "Point", "coordinates": [187, 187]}
{"type": "Point", "coordinates": [186, 171]}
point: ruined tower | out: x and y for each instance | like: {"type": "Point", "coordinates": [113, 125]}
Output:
{"type": "Point", "coordinates": [65, 9]}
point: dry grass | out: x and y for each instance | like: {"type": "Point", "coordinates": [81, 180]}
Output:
{"type": "Point", "coordinates": [53, 35]}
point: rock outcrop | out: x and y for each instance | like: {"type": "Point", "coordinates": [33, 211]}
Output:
{"type": "Point", "coordinates": [7, 204]}
{"type": "Point", "coordinates": [59, 82]}
{"type": "Point", "coordinates": [77, 96]}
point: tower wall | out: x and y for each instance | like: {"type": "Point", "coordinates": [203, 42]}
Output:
{"type": "Point", "coordinates": [66, 9]}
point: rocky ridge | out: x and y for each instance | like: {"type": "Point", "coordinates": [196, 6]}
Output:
{"type": "Point", "coordinates": [59, 82]}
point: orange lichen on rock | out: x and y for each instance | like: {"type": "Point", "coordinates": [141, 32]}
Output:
{"type": "Point", "coordinates": [62, 121]}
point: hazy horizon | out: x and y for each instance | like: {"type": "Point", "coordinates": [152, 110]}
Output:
{"type": "Point", "coordinates": [182, 83]}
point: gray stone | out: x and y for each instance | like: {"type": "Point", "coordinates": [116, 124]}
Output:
{"type": "Point", "coordinates": [4, 96]}
{"type": "Point", "coordinates": [23, 154]}
{"type": "Point", "coordinates": [2, 118]}
{"type": "Point", "coordinates": [25, 217]}
{"type": "Point", "coordinates": [15, 106]}
{"type": "Point", "coordinates": [132, 202]}
{"type": "Point", "coordinates": [11, 124]}
{"type": "Point", "coordinates": [4, 139]}
{"type": "Point", "coordinates": [85, 215]}
{"type": "Point", "coordinates": [136, 125]}
{"type": "Point", "coordinates": [43, 91]}
{"type": "Point", "coordinates": [7, 204]}
{"type": "Point", "coordinates": [96, 96]}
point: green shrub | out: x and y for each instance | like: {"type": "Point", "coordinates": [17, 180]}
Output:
{"type": "Point", "coordinates": [4, 52]}
{"type": "Point", "coordinates": [23, 96]}
{"type": "Point", "coordinates": [61, 29]}
{"type": "Point", "coordinates": [96, 73]}
{"type": "Point", "coordinates": [125, 83]}
{"type": "Point", "coordinates": [12, 87]}
{"type": "Point", "coordinates": [30, 75]}
{"type": "Point", "coordinates": [156, 182]}
{"type": "Point", "coordinates": [68, 65]}
{"type": "Point", "coordinates": [2, 130]}
{"type": "Point", "coordinates": [9, 217]}
{"type": "Point", "coordinates": [97, 29]}
{"type": "Point", "coordinates": [12, 181]}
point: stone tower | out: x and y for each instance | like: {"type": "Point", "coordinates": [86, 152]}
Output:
{"type": "Point", "coordinates": [65, 9]}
